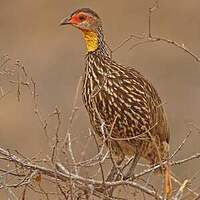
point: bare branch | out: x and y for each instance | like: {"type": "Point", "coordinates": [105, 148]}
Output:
{"type": "Point", "coordinates": [77, 179]}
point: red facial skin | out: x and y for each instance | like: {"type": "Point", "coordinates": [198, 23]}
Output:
{"type": "Point", "coordinates": [75, 19]}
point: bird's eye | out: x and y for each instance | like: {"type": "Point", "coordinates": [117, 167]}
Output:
{"type": "Point", "coordinates": [82, 17]}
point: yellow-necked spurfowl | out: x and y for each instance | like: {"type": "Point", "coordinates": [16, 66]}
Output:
{"type": "Point", "coordinates": [122, 104]}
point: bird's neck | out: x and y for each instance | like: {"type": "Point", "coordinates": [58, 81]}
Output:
{"type": "Point", "coordinates": [95, 41]}
{"type": "Point", "coordinates": [91, 39]}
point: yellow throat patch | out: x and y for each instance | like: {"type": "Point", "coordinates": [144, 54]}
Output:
{"type": "Point", "coordinates": [91, 39]}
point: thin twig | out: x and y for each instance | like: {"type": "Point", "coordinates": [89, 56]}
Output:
{"type": "Point", "coordinates": [67, 140]}
{"type": "Point", "coordinates": [55, 146]}
{"type": "Point", "coordinates": [179, 162]}
{"type": "Point", "coordinates": [181, 145]}
{"type": "Point", "coordinates": [100, 164]}
{"type": "Point", "coordinates": [179, 194]}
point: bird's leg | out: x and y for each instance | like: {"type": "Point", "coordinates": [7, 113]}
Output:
{"type": "Point", "coordinates": [130, 172]}
{"type": "Point", "coordinates": [111, 175]}
{"type": "Point", "coordinates": [114, 172]}
{"type": "Point", "coordinates": [114, 175]}
{"type": "Point", "coordinates": [117, 157]}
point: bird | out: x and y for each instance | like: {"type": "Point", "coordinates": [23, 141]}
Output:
{"type": "Point", "coordinates": [124, 108]}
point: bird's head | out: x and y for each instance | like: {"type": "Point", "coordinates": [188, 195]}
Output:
{"type": "Point", "coordinates": [84, 19]}
{"type": "Point", "coordinates": [89, 23]}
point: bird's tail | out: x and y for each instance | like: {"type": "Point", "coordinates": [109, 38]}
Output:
{"type": "Point", "coordinates": [167, 181]}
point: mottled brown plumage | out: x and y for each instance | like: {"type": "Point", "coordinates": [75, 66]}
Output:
{"type": "Point", "coordinates": [123, 99]}
{"type": "Point", "coordinates": [123, 105]}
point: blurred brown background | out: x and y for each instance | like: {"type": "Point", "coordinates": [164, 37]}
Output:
{"type": "Point", "coordinates": [54, 56]}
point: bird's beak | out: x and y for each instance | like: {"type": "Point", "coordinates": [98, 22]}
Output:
{"type": "Point", "coordinates": [65, 21]}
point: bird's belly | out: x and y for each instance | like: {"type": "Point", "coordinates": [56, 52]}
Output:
{"type": "Point", "coordinates": [110, 119]}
